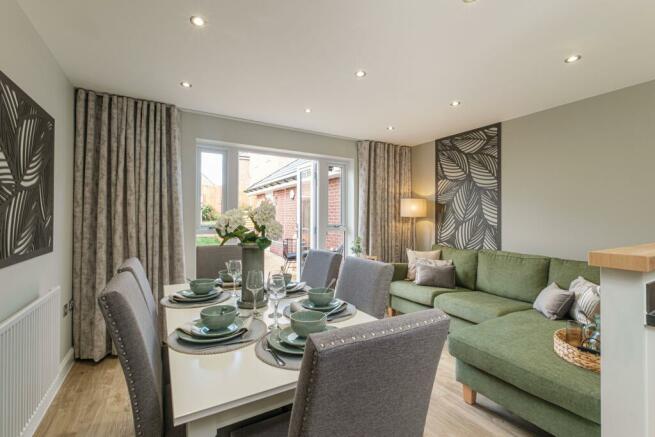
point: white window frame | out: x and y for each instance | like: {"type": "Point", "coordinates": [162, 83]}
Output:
{"type": "Point", "coordinates": [231, 187]}
{"type": "Point", "coordinates": [200, 149]}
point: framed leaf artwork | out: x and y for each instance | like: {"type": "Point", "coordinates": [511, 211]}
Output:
{"type": "Point", "coordinates": [27, 136]}
{"type": "Point", "coordinates": [468, 189]}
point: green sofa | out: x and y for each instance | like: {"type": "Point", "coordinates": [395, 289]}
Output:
{"type": "Point", "coordinates": [504, 348]}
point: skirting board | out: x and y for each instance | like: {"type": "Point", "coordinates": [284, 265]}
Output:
{"type": "Point", "coordinates": [64, 367]}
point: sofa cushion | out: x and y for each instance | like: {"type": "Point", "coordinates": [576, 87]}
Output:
{"type": "Point", "coordinates": [419, 293]}
{"type": "Point", "coordinates": [405, 306]}
{"type": "Point", "coordinates": [512, 275]}
{"type": "Point", "coordinates": [564, 271]}
{"type": "Point", "coordinates": [466, 264]}
{"type": "Point", "coordinates": [476, 306]}
{"type": "Point", "coordinates": [518, 348]}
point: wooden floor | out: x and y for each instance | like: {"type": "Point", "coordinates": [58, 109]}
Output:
{"type": "Point", "coordinates": [93, 401]}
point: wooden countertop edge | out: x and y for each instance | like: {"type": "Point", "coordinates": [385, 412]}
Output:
{"type": "Point", "coordinates": [639, 258]}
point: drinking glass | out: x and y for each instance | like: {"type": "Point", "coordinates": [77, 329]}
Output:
{"type": "Point", "coordinates": [255, 284]}
{"type": "Point", "coordinates": [277, 290]}
{"type": "Point", "coordinates": [234, 269]}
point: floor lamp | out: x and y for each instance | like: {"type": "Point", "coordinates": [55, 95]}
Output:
{"type": "Point", "coordinates": [413, 208]}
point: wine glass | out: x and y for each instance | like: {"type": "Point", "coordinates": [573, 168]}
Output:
{"type": "Point", "coordinates": [255, 284]}
{"type": "Point", "coordinates": [234, 269]}
{"type": "Point", "coordinates": [277, 290]}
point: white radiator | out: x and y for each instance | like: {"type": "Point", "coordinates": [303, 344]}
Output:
{"type": "Point", "coordinates": [29, 361]}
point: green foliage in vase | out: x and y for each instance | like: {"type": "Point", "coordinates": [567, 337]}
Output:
{"type": "Point", "coordinates": [357, 246]}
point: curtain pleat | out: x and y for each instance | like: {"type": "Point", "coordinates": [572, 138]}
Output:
{"type": "Point", "coordinates": [384, 179]}
{"type": "Point", "coordinates": [127, 202]}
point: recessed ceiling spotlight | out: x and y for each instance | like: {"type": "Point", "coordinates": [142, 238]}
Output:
{"type": "Point", "coordinates": [360, 73]}
{"type": "Point", "coordinates": [390, 127]}
{"type": "Point", "coordinates": [185, 84]}
{"type": "Point", "coordinates": [573, 58]}
{"type": "Point", "coordinates": [455, 103]}
{"type": "Point", "coordinates": [308, 110]}
{"type": "Point", "coordinates": [197, 21]}
{"type": "Point", "coordinates": [468, 1]}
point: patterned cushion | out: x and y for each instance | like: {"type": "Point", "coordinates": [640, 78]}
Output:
{"type": "Point", "coordinates": [414, 255]}
{"type": "Point", "coordinates": [587, 300]}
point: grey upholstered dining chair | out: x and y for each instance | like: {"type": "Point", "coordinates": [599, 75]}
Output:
{"type": "Point", "coordinates": [211, 259]}
{"type": "Point", "coordinates": [134, 266]}
{"type": "Point", "coordinates": [320, 268]}
{"type": "Point", "coordinates": [135, 338]}
{"type": "Point", "coordinates": [373, 379]}
{"type": "Point", "coordinates": [365, 284]}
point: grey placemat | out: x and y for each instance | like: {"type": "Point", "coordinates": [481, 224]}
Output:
{"type": "Point", "coordinates": [292, 362]}
{"type": "Point", "coordinates": [222, 297]}
{"type": "Point", "coordinates": [255, 331]}
{"type": "Point", "coordinates": [346, 314]}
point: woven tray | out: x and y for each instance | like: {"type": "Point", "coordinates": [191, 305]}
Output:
{"type": "Point", "coordinates": [573, 355]}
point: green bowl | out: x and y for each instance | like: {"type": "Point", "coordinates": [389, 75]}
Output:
{"type": "Point", "coordinates": [218, 316]}
{"type": "Point", "coordinates": [202, 286]}
{"type": "Point", "coordinates": [225, 276]}
{"type": "Point", "coordinates": [321, 296]}
{"type": "Point", "coordinates": [304, 323]}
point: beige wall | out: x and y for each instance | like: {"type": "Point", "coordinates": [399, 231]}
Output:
{"type": "Point", "coordinates": [574, 178]}
{"type": "Point", "coordinates": [27, 61]}
{"type": "Point", "coordinates": [195, 126]}
{"type": "Point", "coordinates": [423, 185]}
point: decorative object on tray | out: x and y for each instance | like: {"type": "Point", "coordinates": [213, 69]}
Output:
{"type": "Point", "coordinates": [231, 225]}
{"type": "Point", "coordinates": [587, 300]}
{"type": "Point", "coordinates": [27, 135]}
{"type": "Point", "coordinates": [579, 344]}
{"type": "Point", "coordinates": [468, 189]}
{"type": "Point", "coordinates": [553, 302]}
{"type": "Point", "coordinates": [230, 332]}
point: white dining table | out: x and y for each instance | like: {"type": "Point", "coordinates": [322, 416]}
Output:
{"type": "Point", "coordinates": [213, 391]}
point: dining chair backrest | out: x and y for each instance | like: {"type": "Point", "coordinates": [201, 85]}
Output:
{"type": "Point", "coordinates": [370, 379]}
{"type": "Point", "coordinates": [320, 268]}
{"type": "Point", "coordinates": [365, 284]}
{"type": "Point", "coordinates": [211, 259]}
{"type": "Point", "coordinates": [135, 338]}
{"type": "Point", "coordinates": [134, 267]}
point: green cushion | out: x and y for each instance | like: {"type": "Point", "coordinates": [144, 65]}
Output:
{"type": "Point", "coordinates": [405, 306]}
{"type": "Point", "coordinates": [518, 348]}
{"type": "Point", "coordinates": [478, 307]}
{"type": "Point", "coordinates": [457, 323]}
{"type": "Point", "coordinates": [419, 293]}
{"type": "Point", "coordinates": [466, 264]}
{"type": "Point", "coordinates": [547, 416]}
{"type": "Point", "coordinates": [399, 271]}
{"type": "Point", "coordinates": [512, 275]}
{"type": "Point", "coordinates": [564, 271]}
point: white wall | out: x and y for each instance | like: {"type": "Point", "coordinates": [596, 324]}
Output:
{"type": "Point", "coordinates": [197, 126]}
{"type": "Point", "coordinates": [574, 178]}
{"type": "Point", "coordinates": [28, 62]}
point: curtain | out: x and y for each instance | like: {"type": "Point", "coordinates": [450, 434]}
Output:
{"type": "Point", "coordinates": [127, 202]}
{"type": "Point", "coordinates": [384, 179]}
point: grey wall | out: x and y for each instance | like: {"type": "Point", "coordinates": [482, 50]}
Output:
{"type": "Point", "coordinates": [196, 126]}
{"type": "Point", "coordinates": [27, 61]}
{"type": "Point", "coordinates": [574, 178]}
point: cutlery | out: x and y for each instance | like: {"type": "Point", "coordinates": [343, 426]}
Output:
{"type": "Point", "coordinates": [227, 343]}
{"type": "Point", "coordinates": [276, 357]}
{"type": "Point", "coordinates": [331, 282]}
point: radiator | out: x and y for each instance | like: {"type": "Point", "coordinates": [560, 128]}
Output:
{"type": "Point", "coordinates": [29, 361]}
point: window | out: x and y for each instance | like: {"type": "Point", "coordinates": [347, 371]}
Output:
{"type": "Point", "coordinates": [335, 236]}
{"type": "Point", "coordinates": [211, 192]}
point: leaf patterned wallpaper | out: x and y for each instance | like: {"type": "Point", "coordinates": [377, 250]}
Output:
{"type": "Point", "coordinates": [468, 189]}
{"type": "Point", "coordinates": [26, 176]}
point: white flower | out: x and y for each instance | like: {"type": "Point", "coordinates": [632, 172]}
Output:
{"type": "Point", "coordinates": [229, 221]}
{"type": "Point", "coordinates": [274, 230]}
{"type": "Point", "coordinates": [264, 215]}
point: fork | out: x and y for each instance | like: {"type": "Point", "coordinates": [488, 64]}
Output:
{"type": "Point", "coordinates": [278, 360]}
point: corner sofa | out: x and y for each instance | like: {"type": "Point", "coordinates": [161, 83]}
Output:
{"type": "Point", "coordinates": [504, 348]}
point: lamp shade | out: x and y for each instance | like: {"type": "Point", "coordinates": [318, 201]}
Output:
{"type": "Point", "coordinates": [413, 208]}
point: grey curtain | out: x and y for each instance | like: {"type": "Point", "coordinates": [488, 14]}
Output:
{"type": "Point", "coordinates": [384, 179]}
{"type": "Point", "coordinates": [127, 202]}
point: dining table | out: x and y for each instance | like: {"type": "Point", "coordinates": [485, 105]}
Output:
{"type": "Point", "coordinates": [216, 390]}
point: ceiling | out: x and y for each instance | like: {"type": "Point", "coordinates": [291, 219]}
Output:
{"type": "Point", "coordinates": [267, 60]}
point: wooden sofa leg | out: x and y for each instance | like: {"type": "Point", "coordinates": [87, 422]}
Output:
{"type": "Point", "coordinates": [391, 312]}
{"type": "Point", "coordinates": [469, 394]}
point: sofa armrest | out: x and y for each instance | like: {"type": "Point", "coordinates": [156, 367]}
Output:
{"type": "Point", "coordinates": [399, 271]}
